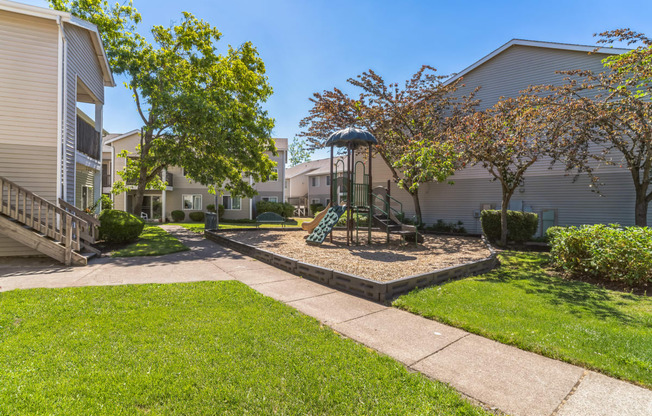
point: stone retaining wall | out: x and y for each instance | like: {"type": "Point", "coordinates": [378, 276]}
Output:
{"type": "Point", "coordinates": [357, 285]}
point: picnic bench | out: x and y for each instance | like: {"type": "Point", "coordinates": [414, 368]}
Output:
{"type": "Point", "coordinates": [269, 218]}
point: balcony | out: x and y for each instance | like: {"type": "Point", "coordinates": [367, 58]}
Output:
{"type": "Point", "coordinates": [89, 141]}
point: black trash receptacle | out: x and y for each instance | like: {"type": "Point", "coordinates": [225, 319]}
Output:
{"type": "Point", "coordinates": [210, 221]}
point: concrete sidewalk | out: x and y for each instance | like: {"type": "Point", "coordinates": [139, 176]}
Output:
{"type": "Point", "coordinates": [498, 376]}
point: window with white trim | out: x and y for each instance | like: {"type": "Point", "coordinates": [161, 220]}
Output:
{"type": "Point", "coordinates": [328, 180]}
{"type": "Point", "coordinates": [314, 181]}
{"type": "Point", "coordinates": [271, 178]}
{"type": "Point", "coordinates": [192, 202]}
{"type": "Point", "coordinates": [270, 199]}
{"type": "Point", "coordinates": [86, 196]}
{"type": "Point", "coordinates": [315, 201]}
{"type": "Point", "coordinates": [231, 203]}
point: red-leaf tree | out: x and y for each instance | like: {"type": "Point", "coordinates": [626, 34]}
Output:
{"type": "Point", "coordinates": [507, 139]}
{"type": "Point", "coordinates": [403, 119]}
{"type": "Point", "coordinates": [611, 114]}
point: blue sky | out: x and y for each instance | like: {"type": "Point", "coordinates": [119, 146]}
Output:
{"type": "Point", "coordinates": [314, 45]}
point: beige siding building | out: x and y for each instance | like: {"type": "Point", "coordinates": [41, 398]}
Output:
{"type": "Point", "coordinates": [49, 62]}
{"type": "Point", "coordinates": [551, 193]}
{"type": "Point", "coordinates": [181, 193]}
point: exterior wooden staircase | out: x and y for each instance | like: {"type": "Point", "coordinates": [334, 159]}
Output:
{"type": "Point", "coordinates": [63, 232]}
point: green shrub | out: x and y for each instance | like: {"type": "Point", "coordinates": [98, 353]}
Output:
{"type": "Point", "coordinates": [281, 208]}
{"type": "Point", "coordinates": [521, 226]}
{"type": "Point", "coordinates": [196, 216]}
{"type": "Point", "coordinates": [447, 227]}
{"type": "Point", "coordinates": [220, 211]}
{"type": "Point", "coordinates": [361, 220]}
{"type": "Point", "coordinates": [119, 226]}
{"type": "Point", "coordinates": [551, 232]}
{"type": "Point", "coordinates": [606, 252]}
{"type": "Point", "coordinates": [210, 208]}
{"type": "Point", "coordinates": [178, 215]}
{"type": "Point", "coordinates": [316, 209]}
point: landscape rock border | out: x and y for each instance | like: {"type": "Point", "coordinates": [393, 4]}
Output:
{"type": "Point", "coordinates": [358, 285]}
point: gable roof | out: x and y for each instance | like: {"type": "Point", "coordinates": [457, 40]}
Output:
{"type": "Point", "coordinates": [56, 15]}
{"type": "Point", "coordinates": [536, 44]}
{"type": "Point", "coordinates": [312, 168]}
{"type": "Point", "coordinates": [110, 138]}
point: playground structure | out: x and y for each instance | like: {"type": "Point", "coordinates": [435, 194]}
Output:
{"type": "Point", "coordinates": [354, 187]}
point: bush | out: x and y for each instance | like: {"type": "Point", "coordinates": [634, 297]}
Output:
{"type": "Point", "coordinates": [361, 220]}
{"type": "Point", "coordinates": [178, 215]}
{"type": "Point", "coordinates": [316, 209]}
{"type": "Point", "coordinates": [196, 216]}
{"type": "Point", "coordinates": [210, 208]}
{"type": "Point", "coordinates": [447, 227]}
{"type": "Point", "coordinates": [220, 211]}
{"type": "Point", "coordinates": [606, 252]}
{"type": "Point", "coordinates": [281, 208]}
{"type": "Point", "coordinates": [551, 232]}
{"type": "Point", "coordinates": [521, 226]}
{"type": "Point", "coordinates": [119, 226]}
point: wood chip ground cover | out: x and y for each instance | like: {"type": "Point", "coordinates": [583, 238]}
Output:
{"type": "Point", "coordinates": [378, 261]}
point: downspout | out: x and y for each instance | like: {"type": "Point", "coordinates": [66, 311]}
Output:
{"type": "Point", "coordinates": [251, 202]}
{"type": "Point", "coordinates": [64, 106]}
{"type": "Point", "coordinates": [112, 171]}
{"type": "Point", "coordinates": [60, 72]}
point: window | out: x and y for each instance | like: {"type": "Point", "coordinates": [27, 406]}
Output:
{"type": "Point", "coordinates": [86, 196]}
{"type": "Point", "coordinates": [314, 181]}
{"type": "Point", "coordinates": [271, 178]}
{"type": "Point", "coordinates": [231, 203]}
{"type": "Point", "coordinates": [270, 199]}
{"type": "Point", "coordinates": [328, 201]}
{"type": "Point", "coordinates": [192, 202]}
{"type": "Point", "coordinates": [315, 201]}
{"type": "Point", "coordinates": [328, 180]}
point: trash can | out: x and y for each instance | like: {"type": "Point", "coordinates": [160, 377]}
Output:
{"type": "Point", "coordinates": [210, 221]}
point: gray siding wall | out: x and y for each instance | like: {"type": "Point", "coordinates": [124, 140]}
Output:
{"type": "Point", "coordinates": [82, 64]}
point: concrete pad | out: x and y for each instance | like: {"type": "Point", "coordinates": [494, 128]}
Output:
{"type": "Point", "coordinates": [399, 334]}
{"type": "Point", "coordinates": [517, 382]}
{"type": "Point", "coordinates": [239, 263]}
{"type": "Point", "coordinates": [599, 395]}
{"type": "Point", "coordinates": [40, 277]}
{"type": "Point", "coordinates": [294, 289]}
{"type": "Point", "coordinates": [336, 307]}
{"type": "Point", "coordinates": [262, 275]}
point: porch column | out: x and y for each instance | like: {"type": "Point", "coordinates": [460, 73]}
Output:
{"type": "Point", "coordinates": [163, 205]}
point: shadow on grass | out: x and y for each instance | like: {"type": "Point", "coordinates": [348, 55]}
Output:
{"type": "Point", "coordinates": [579, 298]}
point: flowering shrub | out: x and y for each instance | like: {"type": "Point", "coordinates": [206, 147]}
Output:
{"type": "Point", "coordinates": [607, 252]}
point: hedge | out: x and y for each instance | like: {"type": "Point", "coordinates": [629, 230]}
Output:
{"type": "Point", "coordinates": [119, 226]}
{"type": "Point", "coordinates": [521, 226]}
{"type": "Point", "coordinates": [316, 209]}
{"type": "Point", "coordinates": [605, 252]}
{"type": "Point", "coordinates": [178, 215]}
{"type": "Point", "coordinates": [281, 208]}
{"type": "Point", "coordinates": [196, 216]}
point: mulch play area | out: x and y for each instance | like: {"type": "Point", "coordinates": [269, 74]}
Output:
{"type": "Point", "coordinates": [379, 261]}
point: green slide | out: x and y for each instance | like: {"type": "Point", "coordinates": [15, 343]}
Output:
{"type": "Point", "coordinates": [326, 225]}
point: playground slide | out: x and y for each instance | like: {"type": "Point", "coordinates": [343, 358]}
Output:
{"type": "Point", "coordinates": [309, 226]}
{"type": "Point", "coordinates": [326, 225]}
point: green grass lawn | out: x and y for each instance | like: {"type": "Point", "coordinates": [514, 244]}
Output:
{"type": "Point", "coordinates": [199, 227]}
{"type": "Point", "coordinates": [209, 348]}
{"type": "Point", "coordinates": [523, 304]}
{"type": "Point", "coordinates": [154, 241]}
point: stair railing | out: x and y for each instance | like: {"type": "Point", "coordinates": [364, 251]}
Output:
{"type": "Point", "coordinates": [89, 227]}
{"type": "Point", "coordinates": [41, 215]}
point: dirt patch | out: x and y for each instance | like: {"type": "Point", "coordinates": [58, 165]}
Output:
{"type": "Point", "coordinates": [378, 261]}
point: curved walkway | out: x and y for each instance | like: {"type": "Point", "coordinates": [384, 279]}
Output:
{"type": "Point", "coordinates": [498, 376]}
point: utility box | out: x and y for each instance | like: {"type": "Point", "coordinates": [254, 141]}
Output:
{"type": "Point", "coordinates": [210, 221]}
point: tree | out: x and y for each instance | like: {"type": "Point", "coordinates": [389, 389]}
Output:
{"type": "Point", "coordinates": [612, 111]}
{"type": "Point", "coordinates": [200, 110]}
{"type": "Point", "coordinates": [507, 139]}
{"type": "Point", "coordinates": [299, 153]}
{"type": "Point", "coordinates": [401, 119]}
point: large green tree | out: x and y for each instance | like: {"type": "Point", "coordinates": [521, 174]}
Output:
{"type": "Point", "coordinates": [200, 109]}
{"type": "Point", "coordinates": [611, 115]}
{"type": "Point", "coordinates": [410, 123]}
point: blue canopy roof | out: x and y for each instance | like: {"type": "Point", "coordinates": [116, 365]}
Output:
{"type": "Point", "coordinates": [351, 136]}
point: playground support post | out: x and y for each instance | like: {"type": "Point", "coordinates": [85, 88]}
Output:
{"type": "Point", "coordinates": [369, 196]}
{"type": "Point", "coordinates": [333, 198]}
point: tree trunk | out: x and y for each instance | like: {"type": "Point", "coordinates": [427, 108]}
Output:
{"type": "Point", "coordinates": [507, 195]}
{"type": "Point", "coordinates": [417, 206]}
{"type": "Point", "coordinates": [140, 190]}
{"type": "Point", "coordinates": [640, 211]}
